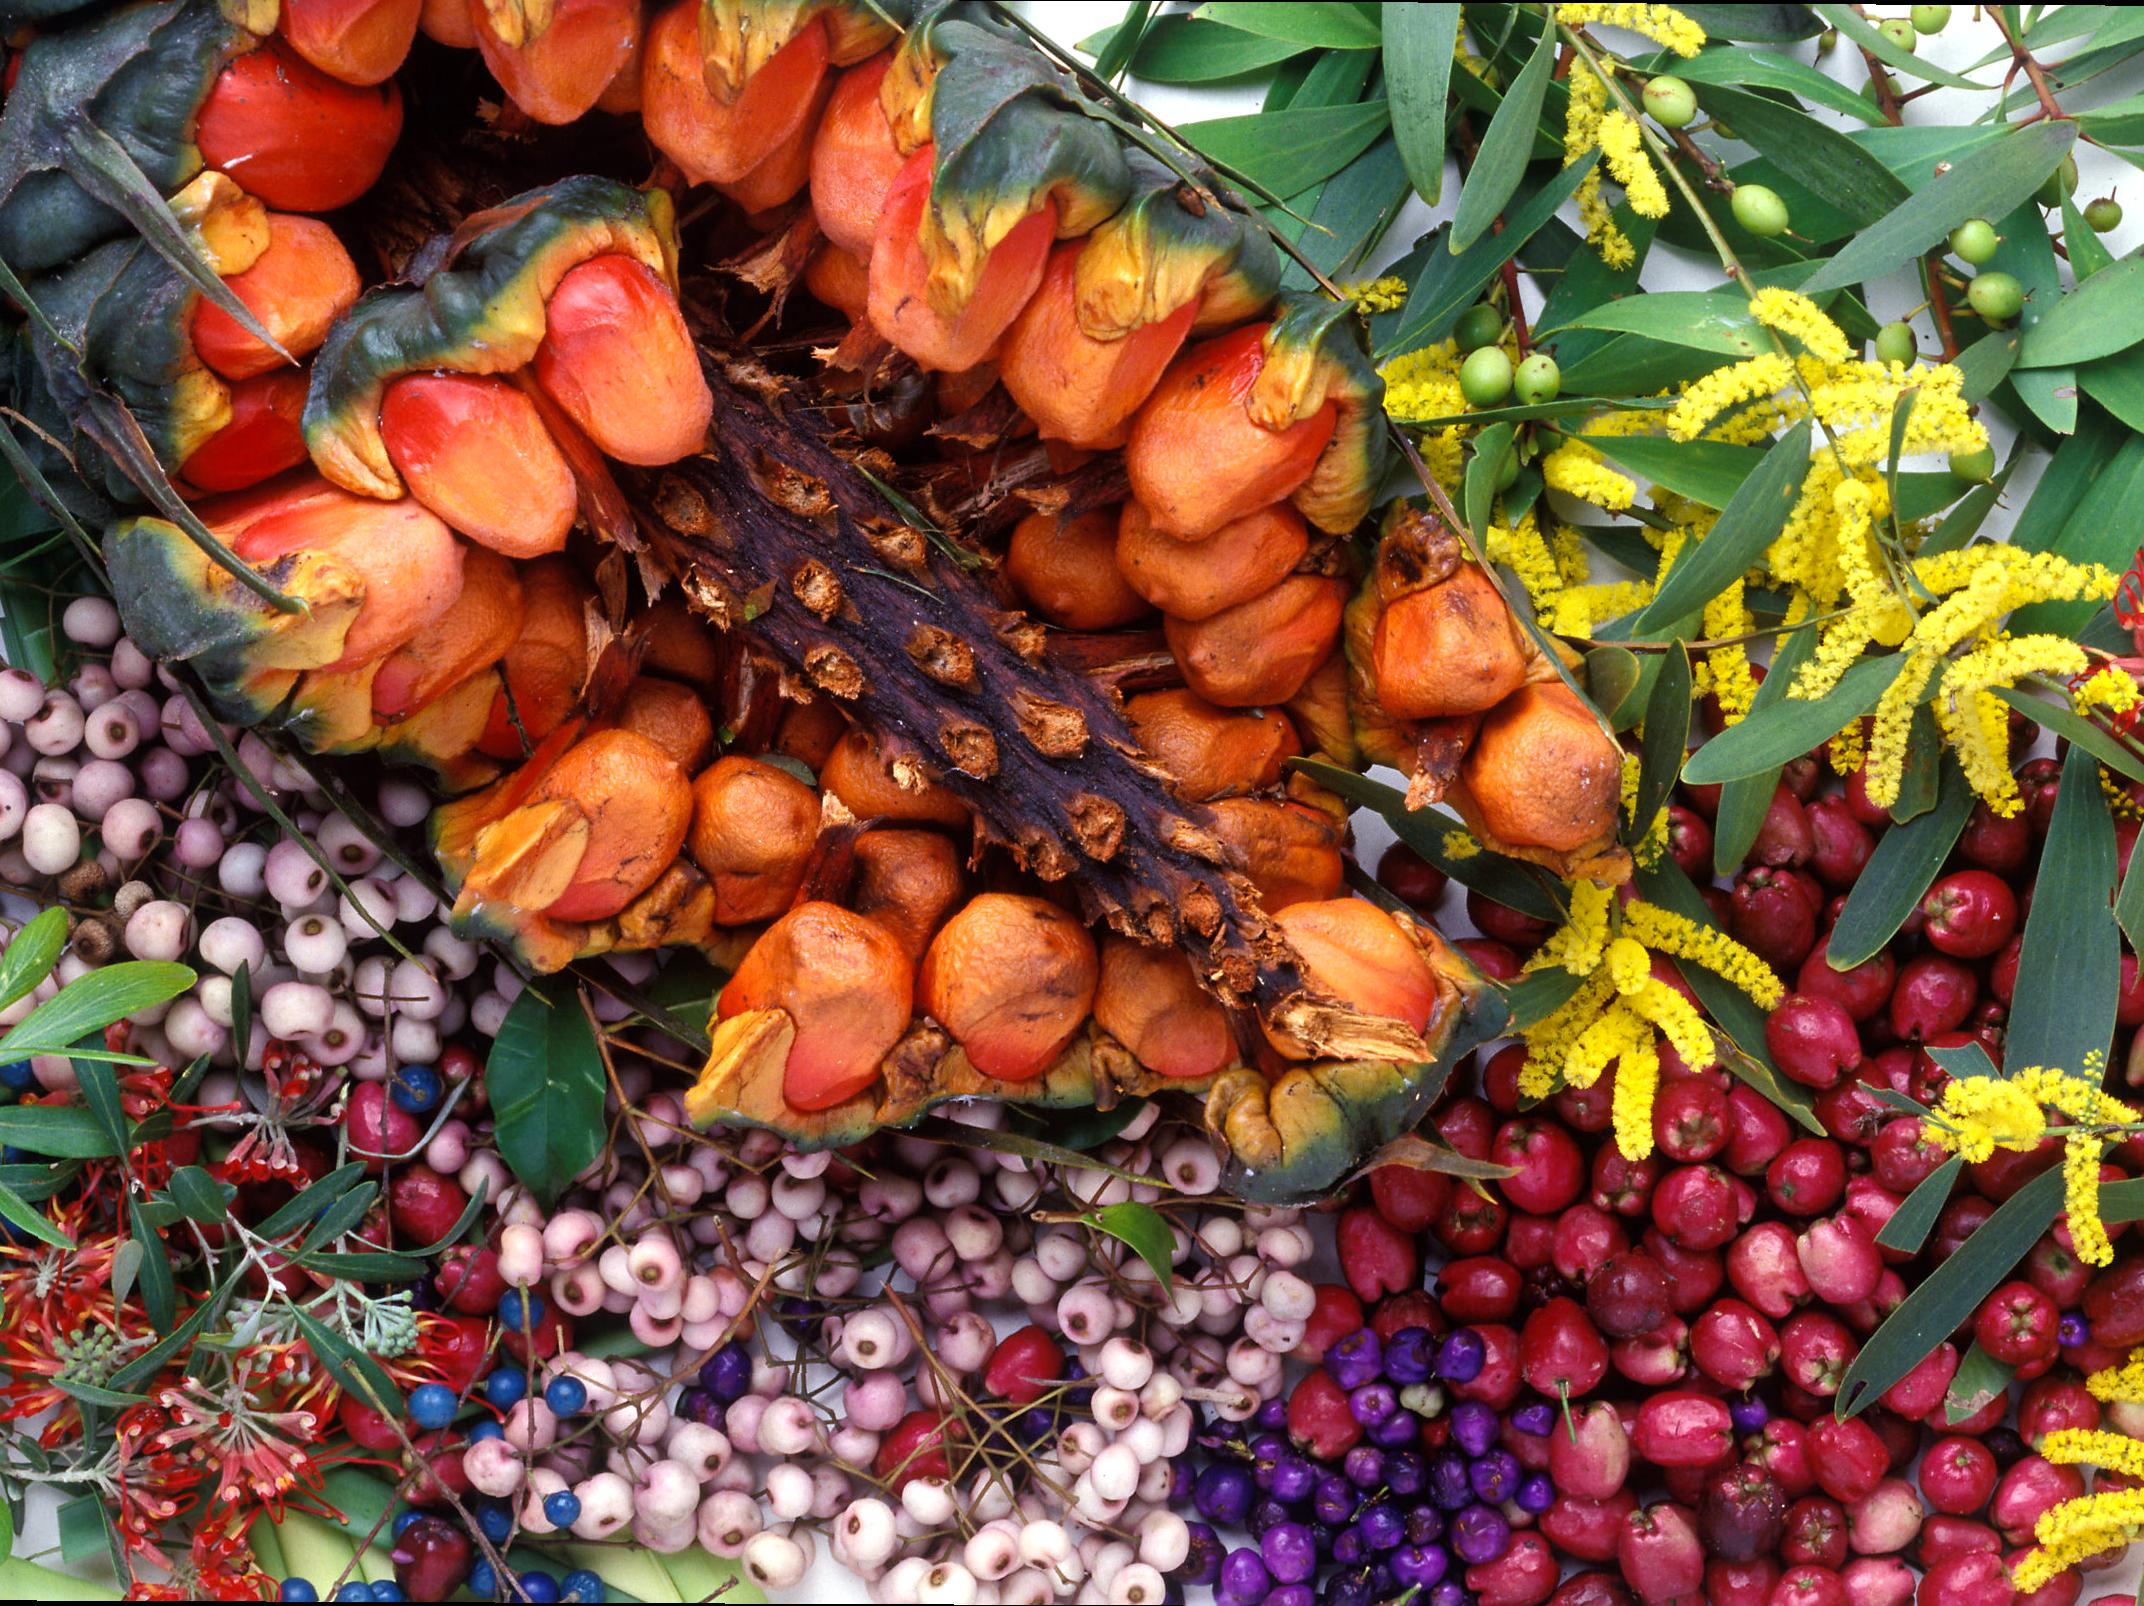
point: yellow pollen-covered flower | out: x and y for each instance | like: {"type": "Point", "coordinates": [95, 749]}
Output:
{"type": "Point", "coordinates": [2122, 1384]}
{"type": "Point", "coordinates": [1637, 1080]}
{"type": "Point", "coordinates": [1979, 1114]}
{"type": "Point", "coordinates": [1704, 399]}
{"type": "Point", "coordinates": [1664, 25]}
{"type": "Point", "coordinates": [2112, 689]}
{"type": "Point", "coordinates": [2075, 1531]}
{"type": "Point", "coordinates": [1387, 294]}
{"type": "Point", "coordinates": [1577, 470]}
{"type": "Point", "coordinates": [1733, 686]}
{"type": "Point", "coordinates": [1794, 314]}
{"type": "Point", "coordinates": [1460, 845]}
{"type": "Point", "coordinates": [2089, 1447]}
{"type": "Point", "coordinates": [1623, 147]}
{"type": "Point", "coordinates": [1577, 945]}
{"type": "Point", "coordinates": [1669, 933]}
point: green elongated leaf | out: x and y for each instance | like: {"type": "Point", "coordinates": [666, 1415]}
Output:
{"type": "Point", "coordinates": [1840, 171]}
{"type": "Point", "coordinates": [200, 1196]}
{"type": "Point", "coordinates": [1116, 55]}
{"type": "Point", "coordinates": [1750, 522]}
{"type": "Point", "coordinates": [1767, 24]}
{"type": "Point", "coordinates": [1354, 209]}
{"type": "Point", "coordinates": [1506, 148]}
{"type": "Point", "coordinates": [99, 1087]}
{"type": "Point", "coordinates": [159, 1288]}
{"type": "Point", "coordinates": [2094, 739]}
{"type": "Point", "coordinates": [1919, 777]}
{"type": "Point", "coordinates": [1288, 153]}
{"type": "Point", "coordinates": [1705, 471]}
{"type": "Point", "coordinates": [1906, 860]}
{"type": "Point", "coordinates": [1950, 1293]}
{"type": "Point", "coordinates": [1765, 69]}
{"type": "Point", "coordinates": [92, 1002]}
{"type": "Point", "coordinates": [1667, 730]}
{"type": "Point", "coordinates": [1321, 27]}
{"type": "Point", "coordinates": [1988, 183]}
{"type": "Point", "coordinates": [2088, 253]}
{"type": "Point", "coordinates": [1916, 1216]}
{"type": "Point", "coordinates": [26, 1580]}
{"type": "Point", "coordinates": [356, 1371]}
{"type": "Point", "coordinates": [82, 1526]}
{"type": "Point", "coordinates": [2068, 971]}
{"type": "Point", "coordinates": [7, 1533]}
{"type": "Point", "coordinates": [1492, 449]}
{"type": "Point", "coordinates": [1510, 882]}
{"type": "Point", "coordinates": [309, 1201]}
{"type": "Point", "coordinates": [1615, 684]}
{"type": "Point", "coordinates": [1184, 50]}
{"type": "Point", "coordinates": [1849, 21]}
{"type": "Point", "coordinates": [1419, 41]}
{"type": "Point", "coordinates": [1794, 726]}
{"type": "Point", "coordinates": [62, 1131]}
{"type": "Point", "coordinates": [1447, 285]}
{"type": "Point", "coordinates": [2129, 902]}
{"type": "Point", "coordinates": [365, 1266]}
{"type": "Point", "coordinates": [546, 1080]}
{"type": "Point", "coordinates": [1539, 994]}
{"type": "Point", "coordinates": [2103, 315]}
{"type": "Point", "coordinates": [1987, 362]}
{"type": "Point", "coordinates": [1731, 1009]}
{"type": "Point", "coordinates": [1704, 320]}
{"type": "Point", "coordinates": [339, 1217]}
{"type": "Point", "coordinates": [31, 953]}
{"type": "Point", "coordinates": [1979, 1379]}
{"type": "Point", "coordinates": [25, 1217]}
{"type": "Point", "coordinates": [1745, 800]}
{"type": "Point", "coordinates": [1143, 1230]}
{"type": "Point", "coordinates": [2117, 384]}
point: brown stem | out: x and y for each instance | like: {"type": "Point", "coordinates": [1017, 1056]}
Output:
{"type": "Point", "coordinates": [1939, 303]}
{"type": "Point", "coordinates": [2022, 57]}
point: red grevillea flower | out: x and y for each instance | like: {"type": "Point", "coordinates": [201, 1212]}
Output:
{"type": "Point", "coordinates": [254, 1446]}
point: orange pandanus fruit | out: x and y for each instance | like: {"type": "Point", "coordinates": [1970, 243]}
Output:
{"type": "Point", "coordinates": [556, 72]}
{"type": "Point", "coordinates": [545, 666]}
{"type": "Point", "coordinates": [669, 715]}
{"type": "Point", "coordinates": [680, 644]}
{"type": "Point", "coordinates": [261, 440]}
{"type": "Point", "coordinates": [854, 160]}
{"type": "Point", "coordinates": [856, 775]}
{"type": "Point", "coordinates": [1149, 1000]}
{"type": "Point", "coordinates": [1196, 458]}
{"type": "Point", "coordinates": [300, 285]}
{"type": "Point", "coordinates": [1211, 752]}
{"type": "Point", "coordinates": [909, 882]}
{"type": "Point", "coordinates": [475, 632]}
{"type": "Point", "coordinates": [475, 451]}
{"type": "Point", "coordinates": [845, 985]}
{"type": "Point", "coordinates": [839, 279]}
{"type": "Point", "coordinates": [903, 310]}
{"type": "Point", "coordinates": [1196, 579]}
{"type": "Point", "coordinates": [753, 826]}
{"type": "Point", "coordinates": [1075, 387]}
{"type": "Point", "coordinates": [1289, 851]}
{"type": "Point", "coordinates": [294, 138]}
{"type": "Point", "coordinates": [616, 356]}
{"type": "Point", "coordinates": [1011, 978]}
{"type": "Point", "coordinates": [1363, 957]}
{"type": "Point", "coordinates": [718, 142]}
{"type": "Point", "coordinates": [448, 22]}
{"type": "Point", "coordinates": [1261, 651]}
{"type": "Point", "coordinates": [1542, 773]}
{"type": "Point", "coordinates": [357, 41]}
{"type": "Point", "coordinates": [1451, 648]}
{"type": "Point", "coordinates": [1067, 570]}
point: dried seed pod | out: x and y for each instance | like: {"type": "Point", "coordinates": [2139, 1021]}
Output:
{"type": "Point", "coordinates": [1011, 978]}
{"type": "Point", "coordinates": [845, 988]}
{"type": "Point", "coordinates": [1261, 652]}
{"type": "Point", "coordinates": [1450, 648]}
{"type": "Point", "coordinates": [1363, 957]}
{"type": "Point", "coordinates": [1078, 388]}
{"type": "Point", "coordinates": [1067, 571]}
{"type": "Point", "coordinates": [1149, 1000]}
{"type": "Point", "coordinates": [357, 41]}
{"type": "Point", "coordinates": [753, 826]}
{"type": "Point", "coordinates": [554, 58]}
{"type": "Point", "coordinates": [1542, 774]}
{"type": "Point", "coordinates": [1196, 579]}
{"type": "Point", "coordinates": [1289, 851]}
{"type": "Point", "coordinates": [617, 357]}
{"type": "Point", "coordinates": [909, 882]}
{"type": "Point", "coordinates": [547, 663]}
{"type": "Point", "coordinates": [716, 139]}
{"type": "Point", "coordinates": [475, 451]}
{"type": "Point", "coordinates": [483, 623]}
{"type": "Point", "coordinates": [1211, 752]}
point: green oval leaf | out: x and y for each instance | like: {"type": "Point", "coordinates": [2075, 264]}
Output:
{"type": "Point", "coordinates": [92, 1002]}
{"type": "Point", "coordinates": [1837, 169]}
{"type": "Point", "coordinates": [1849, 21]}
{"type": "Point", "coordinates": [1183, 50]}
{"type": "Point", "coordinates": [1145, 1231]}
{"type": "Point", "coordinates": [546, 1081]}
{"type": "Point", "coordinates": [1667, 732]}
{"type": "Point", "coordinates": [2103, 315]}
{"type": "Point", "coordinates": [1746, 800]}
{"type": "Point", "coordinates": [31, 953]}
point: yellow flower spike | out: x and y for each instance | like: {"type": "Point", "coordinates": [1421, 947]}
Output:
{"type": "Point", "coordinates": [1733, 686]}
{"type": "Point", "coordinates": [1637, 1080]}
{"type": "Point", "coordinates": [1669, 933]}
{"type": "Point", "coordinates": [1523, 549]}
{"type": "Point", "coordinates": [2090, 1447]}
{"type": "Point", "coordinates": [1979, 1114]}
{"type": "Point", "coordinates": [1387, 294]}
{"type": "Point", "coordinates": [1894, 717]}
{"type": "Point", "coordinates": [1629, 963]}
{"type": "Point", "coordinates": [1664, 25]}
{"type": "Point", "coordinates": [1685, 1029]}
{"type": "Point", "coordinates": [1704, 399]}
{"type": "Point", "coordinates": [1577, 470]}
{"type": "Point", "coordinates": [2077, 1530]}
{"type": "Point", "coordinates": [1460, 845]}
{"type": "Point", "coordinates": [2113, 689]}
{"type": "Point", "coordinates": [1578, 943]}
{"type": "Point", "coordinates": [1623, 148]}
{"type": "Point", "coordinates": [1794, 314]}
{"type": "Point", "coordinates": [1424, 383]}
{"type": "Point", "coordinates": [2119, 1385]}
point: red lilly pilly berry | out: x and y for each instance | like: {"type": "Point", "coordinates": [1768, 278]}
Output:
{"type": "Point", "coordinates": [1376, 1257]}
{"type": "Point", "coordinates": [1025, 1366]}
{"type": "Point", "coordinates": [1813, 1040]}
{"type": "Point", "coordinates": [2018, 1325]}
{"type": "Point", "coordinates": [432, 1558]}
{"type": "Point", "coordinates": [1548, 1169]}
{"type": "Point", "coordinates": [915, 1448]}
{"type": "Point", "coordinates": [1560, 1353]}
{"type": "Point", "coordinates": [1969, 914]}
{"type": "Point", "coordinates": [1320, 1420]}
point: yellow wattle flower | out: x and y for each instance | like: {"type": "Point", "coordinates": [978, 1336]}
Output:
{"type": "Point", "coordinates": [1706, 398]}
{"type": "Point", "coordinates": [1664, 25]}
{"type": "Point", "coordinates": [1577, 470]}
{"type": "Point", "coordinates": [1794, 314]}
{"type": "Point", "coordinates": [1623, 148]}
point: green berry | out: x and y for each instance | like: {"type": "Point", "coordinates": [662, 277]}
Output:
{"type": "Point", "coordinates": [1900, 31]}
{"type": "Point", "coordinates": [1479, 326]}
{"type": "Point", "coordinates": [1538, 379]}
{"type": "Point", "coordinates": [1931, 19]}
{"type": "Point", "coordinates": [1997, 297]}
{"type": "Point", "coordinates": [1895, 343]}
{"type": "Point", "coordinates": [1671, 102]}
{"type": "Point", "coordinates": [1759, 209]}
{"type": "Point", "coordinates": [1974, 241]}
{"type": "Point", "coordinates": [2062, 181]}
{"type": "Point", "coordinates": [1485, 377]}
{"type": "Point", "coordinates": [1827, 42]}
{"type": "Point", "coordinates": [1974, 467]}
{"type": "Point", "coordinates": [2104, 215]}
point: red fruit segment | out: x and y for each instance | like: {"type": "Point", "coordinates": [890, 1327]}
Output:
{"type": "Point", "coordinates": [616, 356]}
{"type": "Point", "coordinates": [902, 308]}
{"type": "Point", "coordinates": [261, 440]}
{"type": "Point", "coordinates": [1077, 388]}
{"type": "Point", "coordinates": [358, 41]}
{"type": "Point", "coordinates": [475, 452]}
{"type": "Point", "coordinates": [301, 284]}
{"type": "Point", "coordinates": [557, 74]}
{"type": "Point", "coordinates": [293, 137]}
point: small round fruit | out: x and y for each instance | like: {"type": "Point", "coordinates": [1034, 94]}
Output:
{"type": "Point", "coordinates": [1974, 241]}
{"type": "Point", "coordinates": [2104, 215]}
{"type": "Point", "coordinates": [2062, 181]}
{"type": "Point", "coordinates": [1895, 343]}
{"type": "Point", "coordinates": [1478, 326]}
{"type": "Point", "coordinates": [1930, 19]}
{"type": "Point", "coordinates": [1758, 208]}
{"type": "Point", "coordinates": [1900, 31]}
{"type": "Point", "coordinates": [1997, 297]}
{"type": "Point", "coordinates": [1538, 379]}
{"type": "Point", "coordinates": [1485, 377]}
{"type": "Point", "coordinates": [1977, 468]}
{"type": "Point", "coordinates": [1670, 101]}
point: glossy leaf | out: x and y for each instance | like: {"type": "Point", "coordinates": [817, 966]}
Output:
{"type": "Point", "coordinates": [1795, 726]}
{"type": "Point", "coordinates": [1765, 69]}
{"type": "Point", "coordinates": [2129, 901]}
{"type": "Point", "coordinates": [60, 1131]}
{"type": "Point", "coordinates": [1906, 860]}
{"type": "Point", "coordinates": [1979, 1379]}
{"type": "Point", "coordinates": [1419, 41]}
{"type": "Point", "coordinates": [1287, 154]}
{"type": "Point", "coordinates": [1750, 522]}
{"type": "Point", "coordinates": [1849, 21]}
{"type": "Point", "coordinates": [200, 1196]}
{"type": "Point", "coordinates": [1705, 471]}
{"type": "Point", "coordinates": [31, 953]}
{"type": "Point", "coordinates": [1183, 50]}
{"type": "Point", "coordinates": [1506, 147]}
{"type": "Point", "coordinates": [19, 1213]}
{"type": "Point", "coordinates": [1769, 24]}
{"type": "Point", "coordinates": [1838, 169]}
{"type": "Point", "coordinates": [1321, 27]}
{"type": "Point", "coordinates": [92, 1002]}
{"type": "Point", "coordinates": [1492, 450]}
{"type": "Point", "coordinates": [1143, 1230]}
{"type": "Point", "coordinates": [1116, 55]}
{"type": "Point", "coordinates": [546, 1080]}
{"type": "Point", "coordinates": [2101, 316]}
{"type": "Point", "coordinates": [1704, 320]}
{"type": "Point", "coordinates": [2068, 970]}
{"type": "Point", "coordinates": [1746, 800]}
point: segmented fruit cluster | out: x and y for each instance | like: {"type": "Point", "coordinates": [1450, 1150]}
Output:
{"type": "Point", "coordinates": [904, 587]}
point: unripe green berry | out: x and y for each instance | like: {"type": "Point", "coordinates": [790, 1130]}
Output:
{"type": "Point", "coordinates": [1478, 326]}
{"type": "Point", "coordinates": [1895, 343]}
{"type": "Point", "coordinates": [1974, 241]}
{"type": "Point", "coordinates": [1931, 19]}
{"type": "Point", "coordinates": [1485, 377]}
{"type": "Point", "coordinates": [1997, 297]}
{"type": "Point", "coordinates": [1671, 102]}
{"type": "Point", "coordinates": [1975, 467]}
{"type": "Point", "coordinates": [1900, 31]}
{"type": "Point", "coordinates": [1538, 379]}
{"type": "Point", "coordinates": [2104, 215]}
{"type": "Point", "coordinates": [2062, 181]}
{"type": "Point", "coordinates": [1827, 42]}
{"type": "Point", "coordinates": [1759, 209]}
